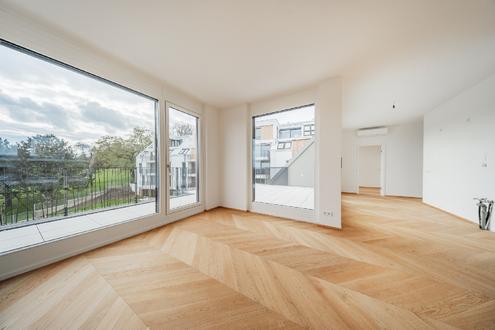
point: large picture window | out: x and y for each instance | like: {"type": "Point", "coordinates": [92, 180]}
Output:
{"type": "Point", "coordinates": [72, 145]}
{"type": "Point", "coordinates": [283, 163]}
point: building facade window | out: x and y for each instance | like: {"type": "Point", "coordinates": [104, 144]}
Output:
{"type": "Point", "coordinates": [263, 151]}
{"type": "Point", "coordinates": [288, 133]}
{"type": "Point", "coordinates": [309, 130]}
{"type": "Point", "coordinates": [257, 133]}
{"type": "Point", "coordinates": [284, 145]}
{"type": "Point", "coordinates": [175, 142]}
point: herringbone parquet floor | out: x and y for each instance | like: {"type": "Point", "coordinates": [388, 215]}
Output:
{"type": "Point", "coordinates": [397, 264]}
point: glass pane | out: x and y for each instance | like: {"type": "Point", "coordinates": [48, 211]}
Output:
{"type": "Point", "coordinates": [284, 134]}
{"type": "Point", "coordinates": [283, 167]}
{"type": "Point", "coordinates": [72, 144]}
{"type": "Point", "coordinates": [183, 159]}
{"type": "Point", "coordinates": [295, 132]}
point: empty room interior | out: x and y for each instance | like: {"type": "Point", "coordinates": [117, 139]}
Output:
{"type": "Point", "coordinates": [219, 164]}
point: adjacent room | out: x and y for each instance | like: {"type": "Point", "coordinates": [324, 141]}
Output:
{"type": "Point", "coordinates": [273, 164]}
{"type": "Point", "coordinates": [370, 166]}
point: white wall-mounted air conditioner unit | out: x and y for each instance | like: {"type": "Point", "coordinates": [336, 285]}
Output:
{"type": "Point", "coordinates": [372, 131]}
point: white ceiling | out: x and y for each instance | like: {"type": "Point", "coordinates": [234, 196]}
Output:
{"type": "Point", "coordinates": [416, 53]}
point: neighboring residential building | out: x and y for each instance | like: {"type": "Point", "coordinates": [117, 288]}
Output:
{"type": "Point", "coordinates": [278, 147]}
{"type": "Point", "coordinates": [146, 171]}
{"type": "Point", "coordinates": [183, 167]}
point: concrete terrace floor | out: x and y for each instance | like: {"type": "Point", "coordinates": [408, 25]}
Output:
{"type": "Point", "coordinates": [302, 197]}
{"type": "Point", "coordinates": [182, 201]}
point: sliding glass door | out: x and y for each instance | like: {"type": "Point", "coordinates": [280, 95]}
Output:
{"type": "Point", "coordinates": [183, 160]}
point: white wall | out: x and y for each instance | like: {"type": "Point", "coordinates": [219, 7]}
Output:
{"type": "Point", "coordinates": [459, 151]}
{"type": "Point", "coordinates": [301, 170]}
{"type": "Point", "coordinates": [234, 126]}
{"type": "Point", "coordinates": [213, 159]}
{"type": "Point", "coordinates": [369, 166]}
{"type": "Point", "coordinates": [329, 151]}
{"type": "Point", "coordinates": [403, 148]}
{"type": "Point", "coordinates": [404, 160]}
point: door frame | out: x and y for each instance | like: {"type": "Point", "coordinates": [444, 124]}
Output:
{"type": "Point", "coordinates": [284, 211]}
{"type": "Point", "coordinates": [383, 169]}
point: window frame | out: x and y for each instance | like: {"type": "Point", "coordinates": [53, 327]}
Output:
{"type": "Point", "coordinates": [46, 41]}
{"type": "Point", "coordinates": [296, 213]}
{"type": "Point", "coordinates": [52, 60]}
{"type": "Point", "coordinates": [160, 136]}
{"type": "Point", "coordinates": [199, 166]}
{"type": "Point", "coordinates": [90, 75]}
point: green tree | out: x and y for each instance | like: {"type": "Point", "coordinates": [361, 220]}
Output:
{"type": "Point", "coordinates": [109, 151]}
{"type": "Point", "coordinates": [114, 151]}
{"type": "Point", "coordinates": [44, 155]}
{"type": "Point", "coordinates": [83, 151]}
{"type": "Point", "coordinates": [46, 146]}
{"type": "Point", "coordinates": [182, 129]}
{"type": "Point", "coordinates": [6, 148]}
{"type": "Point", "coordinates": [139, 140]}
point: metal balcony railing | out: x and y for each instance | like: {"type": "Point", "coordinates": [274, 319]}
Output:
{"type": "Point", "coordinates": [46, 192]}
{"type": "Point", "coordinates": [271, 175]}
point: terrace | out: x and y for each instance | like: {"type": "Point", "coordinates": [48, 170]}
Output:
{"type": "Point", "coordinates": [40, 232]}
{"type": "Point", "coordinates": [293, 196]}
{"type": "Point", "coordinates": [65, 201]}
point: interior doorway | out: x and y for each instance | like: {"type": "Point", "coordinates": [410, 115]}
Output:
{"type": "Point", "coordinates": [371, 170]}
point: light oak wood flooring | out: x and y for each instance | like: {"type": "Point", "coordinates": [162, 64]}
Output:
{"type": "Point", "coordinates": [369, 191]}
{"type": "Point", "coordinates": [397, 264]}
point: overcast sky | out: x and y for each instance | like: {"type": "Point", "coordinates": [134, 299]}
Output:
{"type": "Point", "coordinates": [37, 97]}
{"type": "Point", "coordinates": [291, 116]}
{"type": "Point", "coordinates": [177, 116]}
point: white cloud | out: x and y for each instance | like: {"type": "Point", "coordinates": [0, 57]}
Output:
{"type": "Point", "coordinates": [298, 115]}
{"type": "Point", "coordinates": [37, 97]}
